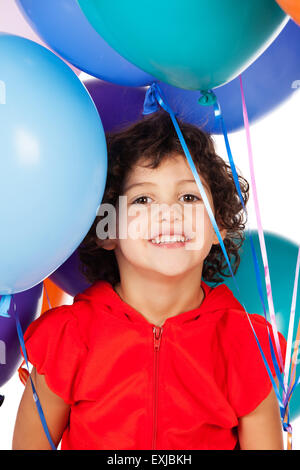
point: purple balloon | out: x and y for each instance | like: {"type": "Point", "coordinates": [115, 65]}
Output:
{"type": "Point", "coordinates": [118, 106]}
{"type": "Point", "coordinates": [28, 306]}
{"type": "Point", "coordinates": [68, 276]}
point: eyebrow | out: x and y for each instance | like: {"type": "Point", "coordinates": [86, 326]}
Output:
{"type": "Point", "coordinates": [154, 184]}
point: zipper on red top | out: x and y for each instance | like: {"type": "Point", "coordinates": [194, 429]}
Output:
{"type": "Point", "coordinates": [157, 332]}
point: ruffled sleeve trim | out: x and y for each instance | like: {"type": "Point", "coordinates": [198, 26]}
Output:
{"type": "Point", "coordinates": [56, 349]}
{"type": "Point", "coordinates": [248, 379]}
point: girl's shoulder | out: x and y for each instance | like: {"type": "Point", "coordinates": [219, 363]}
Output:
{"type": "Point", "coordinates": [245, 332]}
{"type": "Point", "coordinates": [246, 341]}
{"type": "Point", "coordinates": [237, 320]}
{"type": "Point", "coordinates": [74, 319]}
{"type": "Point", "coordinates": [57, 345]}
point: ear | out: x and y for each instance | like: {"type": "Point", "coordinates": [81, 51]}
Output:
{"type": "Point", "coordinates": [223, 233]}
{"type": "Point", "coordinates": [107, 244]}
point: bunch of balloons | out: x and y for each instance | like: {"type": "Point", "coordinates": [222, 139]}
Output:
{"type": "Point", "coordinates": [53, 148]}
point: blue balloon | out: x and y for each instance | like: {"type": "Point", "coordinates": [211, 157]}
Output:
{"type": "Point", "coordinates": [63, 26]}
{"type": "Point", "coordinates": [282, 258]}
{"type": "Point", "coordinates": [119, 106]}
{"type": "Point", "coordinates": [53, 163]}
{"type": "Point", "coordinates": [267, 83]}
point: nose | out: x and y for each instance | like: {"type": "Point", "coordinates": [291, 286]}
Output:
{"type": "Point", "coordinates": [166, 219]}
{"type": "Point", "coordinates": [171, 213]}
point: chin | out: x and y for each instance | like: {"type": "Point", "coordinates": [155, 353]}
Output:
{"type": "Point", "coordinates": [170, 272]}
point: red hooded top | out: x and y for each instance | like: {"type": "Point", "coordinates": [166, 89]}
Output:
{"type": "Point", "coordinates": [134, 385]}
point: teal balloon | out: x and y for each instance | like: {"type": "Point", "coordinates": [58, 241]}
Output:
{"type": "Point", "coordinates": [53, 163]}
{"type": "Point", "coordinates": [282, 258]}
{"type": "Point", "coordinates": [191, 44]}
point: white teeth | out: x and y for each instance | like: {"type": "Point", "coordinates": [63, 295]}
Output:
{"type": "Point", "coordinates": [169, 239]}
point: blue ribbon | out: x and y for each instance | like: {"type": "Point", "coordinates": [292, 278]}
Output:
{"type": "Point", "coordinates": [155, 96]}
{"type": "Point", "coordinates": [35, 395]}
{"type": "Point", "coordinates": [219, 118]}
{"type": "Point", "coordinates": [155, 92]}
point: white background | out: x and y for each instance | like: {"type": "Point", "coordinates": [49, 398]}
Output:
{"type": "Point", "coordinates": [276, 148]}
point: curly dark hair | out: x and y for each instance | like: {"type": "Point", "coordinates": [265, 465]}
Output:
{"type": "Point", "coordinates": [154, 138]}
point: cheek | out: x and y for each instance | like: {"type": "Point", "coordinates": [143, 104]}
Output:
{"type": "Point", "coordinates": [208, 227]}
{"type": "Point", "coordinates": [133, 223]}
{"type": "Point", "coordinates": [197, 219]}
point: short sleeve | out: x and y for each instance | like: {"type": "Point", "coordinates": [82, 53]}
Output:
{"type": "Point", "coordinates": [56, 349]}
{"type": "Point", "coordinates": [248, 379]}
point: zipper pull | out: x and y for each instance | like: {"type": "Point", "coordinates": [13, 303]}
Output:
{"type": "Point", "coordinates": [157, 332]}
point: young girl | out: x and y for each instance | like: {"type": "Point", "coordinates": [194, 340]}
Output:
{"type": "Point", "coordinates": [150, 356]}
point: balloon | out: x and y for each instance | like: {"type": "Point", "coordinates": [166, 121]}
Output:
{"type": "Point", "coordinates": [118, 106]}
{"type": "Point", "coordinates": [55, 295]}
{"type": "Point", "coordinates": [12, 22]}
{"type": "Point", "coordinates": [69, 277]}
{"type": "Point", "coordinates": [53, 163]}
{"type": "Point", "coordinates": [28, 306]}
{"type": "Point", "coordinates": [282, 258]}
{"type": "Point", "coordinates": [194, 44]}
{"type": "Point", "coordinates": [292, 8]}
{"type": "Point", "coordinates": [63, 26]}
{"type": "Point", "coordinates": [268, 82]}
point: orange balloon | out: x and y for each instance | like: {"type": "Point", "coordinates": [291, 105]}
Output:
{"type": "Point", "coordinates": [292, 8]}
{"type": "Point", "coordinates": [56, 296]}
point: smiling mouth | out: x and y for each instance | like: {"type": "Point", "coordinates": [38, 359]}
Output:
{"type": "Point", "coordinates": [173, 241]}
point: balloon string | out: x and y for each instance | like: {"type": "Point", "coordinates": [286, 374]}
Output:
{"type": "Point", "coordinates": [294, 360]}
{"type": "Point", "coordinates": [260, 229]}
{"type": "Point", "coordinates": [286, 393]}
{"type": "Point", "coordinates": [35, 395]}
{"type": "Point", "coordinates": [210, 97]}
{"type": "Point", "coordinates": [291, 324]}
{"type": "Point", "coordinates": [286, 425]}
{"type": "Point", "coordinates": [153, 98]}
{"type": "Point", "coordinates": [288, 429]}
{"type": "Point", "coordinates": [293, 381]}
{"type": "Point", "coordinates": [23, 373]}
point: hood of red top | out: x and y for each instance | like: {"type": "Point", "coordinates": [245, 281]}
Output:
{"type": "Point", "coordinates": [102, 297]}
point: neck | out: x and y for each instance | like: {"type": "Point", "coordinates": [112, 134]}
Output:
{"type": "Point", "coordinates": [160, 298]}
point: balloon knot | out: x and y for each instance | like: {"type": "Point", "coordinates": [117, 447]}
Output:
{"type": "Point", "coordinates": [4, 305]}
{"type": "Point", "coordinates": [287, 427]}
{"type": "Point", "coordinates": [208, 98]}
{"type": "Point", "coordinates": [151, 104]}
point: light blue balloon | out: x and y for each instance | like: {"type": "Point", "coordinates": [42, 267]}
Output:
{"type": "Point", "coordinates": [53, 163]}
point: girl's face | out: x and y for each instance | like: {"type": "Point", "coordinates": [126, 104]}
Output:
{"type": "Point", "coordinates": [162, 224]}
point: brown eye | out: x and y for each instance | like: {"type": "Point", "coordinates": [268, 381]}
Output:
{"type": "Point", "coordinates": [190, 197]}
{"type": "Point", "coordinates": [139, 199]}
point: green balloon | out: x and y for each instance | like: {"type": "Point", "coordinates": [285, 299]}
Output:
{"type": "Point", "coordinates": [191, 44]}
{"type": "Point", "coordinates": [282, 258]}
